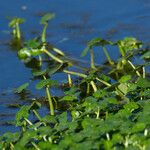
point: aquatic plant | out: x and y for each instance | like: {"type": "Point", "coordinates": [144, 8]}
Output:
{"type": "Point", "coordinates": [15, 25]}
{"type": "Point", "coordinates": [105, 107]}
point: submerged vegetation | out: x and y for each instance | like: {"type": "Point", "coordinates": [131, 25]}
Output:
{"type": "Point", "coordinates": [105, 107]}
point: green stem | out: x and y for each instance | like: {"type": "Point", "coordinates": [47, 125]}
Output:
{"type": "Point", "coordinates": [44, 33]}
{"type": "Point", "coordinates": [18, 35]}
{"type": "Point", "coordinates": [37, 115]}
{"type": "Point", "coordinates": [93, 86]}
{"type": "Point", "coordinates": [69, 80]}
{"type": "Point", "coordinates": [92, 59]}
{"type": "Point", "coordinates": [137, 72]}
{"type": "Point", "coordinates": [52, 56]}
{"type": "Point", "coordinates": [58, 51]}
{"type": "Point", "coordinates": [75, 73]}
{"type": "Point", "coordinates": [121, 51]}
{"type": "Point", "coordinates": [104, 82]}
{"type": "Point", "coordinates": [40, 60]}
{"type": "Point", "coordinates": [49, 99]}
{"type": "Point", "coordinates": [107, 56]}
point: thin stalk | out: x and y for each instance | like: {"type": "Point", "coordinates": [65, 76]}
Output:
{"type": "Point", "coordinates": [37, 115]}
{"type": "Point", "coordinates": [58, 51]}
{"type": "Point", "coordinates": [75, 73]}
{"type": "Point", "coordinates": [43, 38]}
{"type": "Point", "coordinates": [28, 121]}
{"type": "Point", "coordinates": [88, 88]}
{"type": "Point", "coordinates": [52, 56]}
{"type": "Point", "coordinates": [40, 60]}
{"type": "Point", "coordinates": [104, 82]}
{"type": "Point", "coordinates": [11, 146]}
{"type": "Point", "coordinates": [18, 31]}
{"type": "Point", "coordinates": [49, 99]}
{"type": "Point", "coordinates": [56, 106]}
{"type": "Point", "coordinates": [35, 146]}
{"type": "Point", "coordinates": [92, 59]}
{"type": "Point", "coordinates": [121, 51]}
{"type": "Point", "coordinates": [97, 113]}
{"type": "Point", "coordinates": [144, 74]}
{"type": "Point", "coordinates": [107, 56]}
{"type": "Point", "coordinates": [84, 76]}
{"type": "Point", "coordinates": [137, 72]}
{"type": "Point", "coordinates": [69, 80]}
{"type": "Point", "coordinates": [93, 86]}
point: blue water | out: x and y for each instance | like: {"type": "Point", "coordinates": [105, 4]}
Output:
{"type": "Point", "coordinates": [76, 22]}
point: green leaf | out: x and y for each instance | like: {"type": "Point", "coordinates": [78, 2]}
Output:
{"type": "Point", "coordinates": [47, 82]}
{"type": "Point", "coordinates": [125, 78]}
{"type": "Point", "coordinates": [21, 114]}
{"type": "Point", "coordinates": [21, 88]}
{"type": "Point", "coordinates": [84, 52]}
{"type": "Point", "coordinates": [123, 87]}
{"type": "Point", "coordinates": [143, 83]}
{"type": "Point", "coordinates": [34, 43]}
{"type": "Point", "coordinates": [100, 94]}
{"type": "Point", "coordinates": [129, 43]}
{"type": "Point", "coordinates": [69, 98]}
{"type": "Point", "coordinates": [10, 137]}
{"type": "Point", "coordinates": [39, 72]}
{"type": "Point", "coordinates": [14, 21]}
{"type": "Point", "coordinates": [139, 126]}
{"type": "Point", "coordinates": [35, 105]}
{"type": "Point", "coordinates": [54, 69]}
{"type": "Point", "coordinates": [35, 52]}
{"type": "Point", "coordinates": [146, 55]}
{"type": "Point", "coordinates": [95, 42]}
{"type": "Point", "coordinates": [131, 106]}
{"type": "Point", "coordinates": [47, 17]}
{"type": "Point", "coordinates": [24, 53]}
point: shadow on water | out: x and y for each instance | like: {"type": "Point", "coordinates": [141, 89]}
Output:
{"type": "Point", "coordinates": [76, 23]}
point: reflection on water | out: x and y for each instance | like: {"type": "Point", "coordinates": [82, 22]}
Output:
{"type": "Point", "coordinates": [76, 22]}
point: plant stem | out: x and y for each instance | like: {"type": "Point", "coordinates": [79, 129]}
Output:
{"type": "Point", "coordinates": [107, 56]}
{"type": "Point", "coordinates": [104, 82]}
{"type": "Point", "coordinates": [43, 38]}
{"type": "Point", "coordinates": [52, 56]}
{"type": "Point", "coordinates": [121, 51]}
{"type": "Point", "coordinates": [94, 86]}
{"type": "Point", "coordinates": [137, 72]}
{"type": "Point", "coordinates": [92, 59]}
{"type": "Point", "coordinates": [75, 73]}
{"type": "Point", "coordinates": [58, 51]}
{"type": "Point", "coordinates": [37, 115]}
{"type": "Point", "coordinates": [69, 80]}
{"type": "Point", "coordinates": [49, 99]}
{"type": "Point", "coordinates": [18, 35]}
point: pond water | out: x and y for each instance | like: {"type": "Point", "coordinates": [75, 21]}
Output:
{"type": "Point", "coordinates": [76, 22]}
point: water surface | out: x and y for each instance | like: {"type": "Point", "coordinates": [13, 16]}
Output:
{"type": "Point", "coordinates": [76, 23]}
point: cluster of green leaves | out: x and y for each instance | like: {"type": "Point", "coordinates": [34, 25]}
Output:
{"type": "Point", "coordinates": [108, 108]}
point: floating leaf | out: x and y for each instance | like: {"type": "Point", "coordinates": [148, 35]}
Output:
{"type": "Point", "coordinates": [39, 72]}
{"type": "Point", "coordinates": [47, 82]}
{"type": "Point", "coordinates": [47, 17]}
{"type": "Point", "coordinates": [21, 88]}
{"type": "Point", "coordinates": [95, 42]}
{"type": "Point", "coordinates": [54, 69]}
{"type": "Point", "coordinates": [16, 21]}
